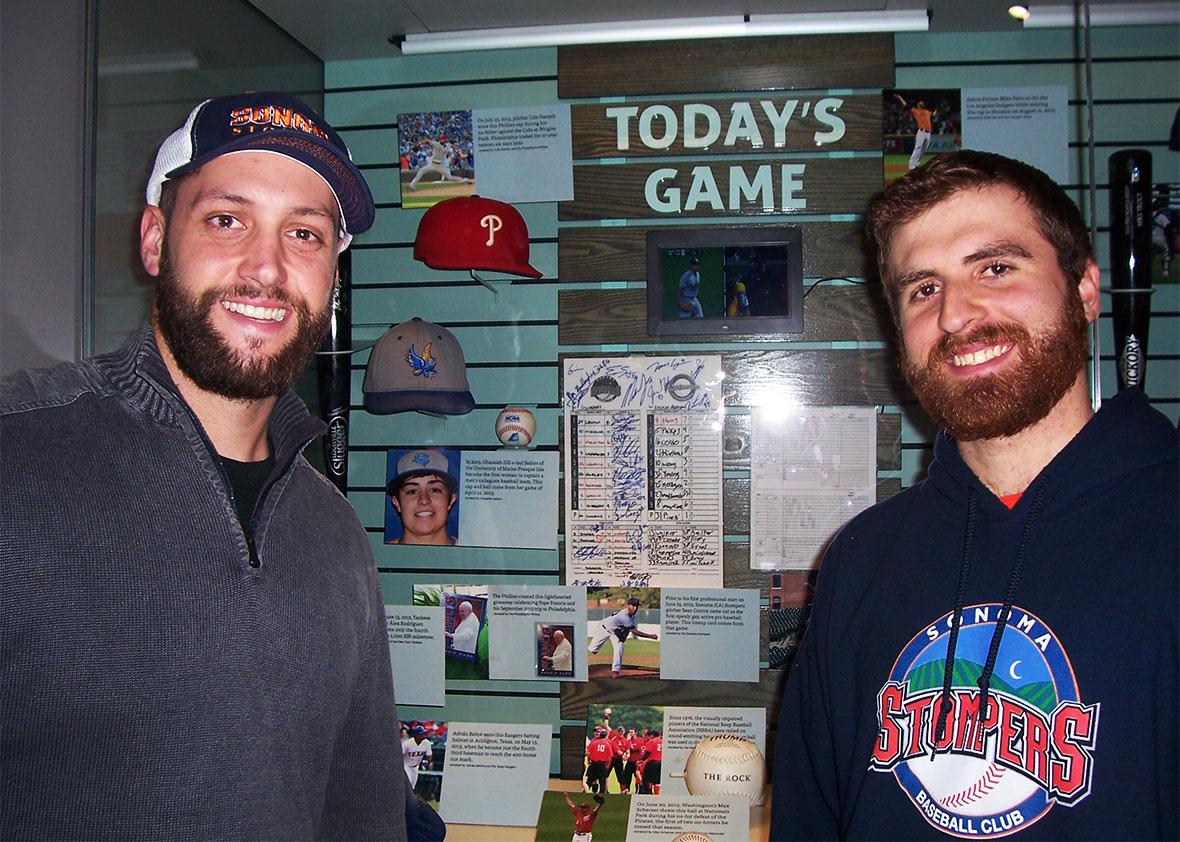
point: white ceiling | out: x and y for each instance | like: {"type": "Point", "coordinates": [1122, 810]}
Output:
{"type": "Point", "coordinates": [350, 29]}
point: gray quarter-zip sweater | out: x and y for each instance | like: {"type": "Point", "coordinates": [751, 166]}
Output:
{"type": "Point", "coordinates": [154, 682]}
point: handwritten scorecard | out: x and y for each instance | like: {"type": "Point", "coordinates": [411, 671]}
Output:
{"type": "Point", "coordinates": [643, 471]}
{"type": "Point", "coordinates": [811, 471]}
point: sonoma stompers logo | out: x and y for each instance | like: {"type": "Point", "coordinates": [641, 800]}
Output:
{"type": "Point", "coordinates": [995, 776]}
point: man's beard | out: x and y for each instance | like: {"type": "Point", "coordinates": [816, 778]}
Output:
{"type": "Point", "coordinates": [1002, 404]}
{"type": "Point", "coordinates": [208, 360]}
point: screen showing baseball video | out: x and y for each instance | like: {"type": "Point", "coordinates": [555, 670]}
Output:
{"type": "Point", "coordinates": [724, 280]}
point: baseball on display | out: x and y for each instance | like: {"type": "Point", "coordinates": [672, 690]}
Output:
{"type": "Point", "coordinates": [515, 426]}
{"type": "Point", "coordinates": [726, 764]}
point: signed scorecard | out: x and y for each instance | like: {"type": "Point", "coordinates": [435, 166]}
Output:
{"type": "Point", "coordinates": [643, 471]}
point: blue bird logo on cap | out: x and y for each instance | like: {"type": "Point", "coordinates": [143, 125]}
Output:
{"type": "Point", "coordinates": [422, 366]}
{"type": "Point", "coordinates": [422, 458]}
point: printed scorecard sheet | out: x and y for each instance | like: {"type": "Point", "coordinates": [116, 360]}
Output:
{"type": "Point", "coordinates": [810, 472]}
{"type": "Point", "coordinates": [643, 471]}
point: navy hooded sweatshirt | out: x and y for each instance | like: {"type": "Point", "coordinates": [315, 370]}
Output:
{"type": "Point", "coordinates": [1077, 738]}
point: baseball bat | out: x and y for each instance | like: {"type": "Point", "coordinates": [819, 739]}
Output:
{"type": "Point", "coordinates": [1130, 262]}
{"type": "Point", "coordinates": [334, 377]}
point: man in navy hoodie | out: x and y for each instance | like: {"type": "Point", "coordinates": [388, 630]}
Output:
{"type": "Point", "coordinates": [993, 652]}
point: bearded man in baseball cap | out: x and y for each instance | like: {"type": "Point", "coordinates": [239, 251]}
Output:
{"type": "Point", "coordinates": [195, 643]}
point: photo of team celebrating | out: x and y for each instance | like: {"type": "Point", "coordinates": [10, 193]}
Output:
{"type": "Point", "coordinates": [624, 750]}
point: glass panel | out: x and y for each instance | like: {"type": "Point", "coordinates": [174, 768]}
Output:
{"type": "Point", "coordinates": [155, 62]}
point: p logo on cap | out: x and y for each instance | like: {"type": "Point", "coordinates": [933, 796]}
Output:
{"type": "Point", "coordinates": [471, 232]}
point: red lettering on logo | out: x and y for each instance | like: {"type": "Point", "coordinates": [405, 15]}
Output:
{"type": "Point", "coordinates": [1075, 730]}
{"type": "Point", "coordinates": [889, 708]}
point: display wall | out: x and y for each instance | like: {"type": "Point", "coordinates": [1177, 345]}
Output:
{"type": "Point", "coordinates": [590, 302]}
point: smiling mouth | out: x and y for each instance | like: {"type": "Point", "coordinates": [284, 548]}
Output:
{"type": "Point", "coordinates": [981, 356]}
{"type": "Point", "coordinates": [261, 314]}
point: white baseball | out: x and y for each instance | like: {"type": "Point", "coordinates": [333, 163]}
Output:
{"type": "Point", "coordinates": [726, 764]}
{"type": "Point", "coordinates": [607, 712]}
{"type": "Point", "coordinates": [515, 426]}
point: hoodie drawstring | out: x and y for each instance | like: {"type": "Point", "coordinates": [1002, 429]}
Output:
{"type": "Point", "coordinates": [945, 704]}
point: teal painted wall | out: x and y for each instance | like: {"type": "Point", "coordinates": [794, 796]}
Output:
{"type": "Point", "coordinates": [510, 339]}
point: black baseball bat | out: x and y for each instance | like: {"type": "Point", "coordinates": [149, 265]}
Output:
{"type": "Point", "coordinates": [1130, 262]}
{"type": "Point", "coordinates": [334, 377]}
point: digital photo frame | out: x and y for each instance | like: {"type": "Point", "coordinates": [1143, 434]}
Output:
{"type": "Point", "coordinates": [724, 281]}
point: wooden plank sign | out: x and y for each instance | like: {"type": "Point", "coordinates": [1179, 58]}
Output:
{"type": "Point", "coordinates": [761, 63]}
{"type": "Point", "coordinates": [736, 188]}
{"type": "Point", "coordinates": [807, 123]}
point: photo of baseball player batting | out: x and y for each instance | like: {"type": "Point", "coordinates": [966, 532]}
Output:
{"type": "Point", "coordinates": [624, 749]}
{"type": "Point", "coordinates": [424, 747]}
{"type": "Point", "coordinates": [917, 125]}
{"type": "Point", "coordinates": [555, 650]}
{"type": "Point", "coordinates": [436, 157]}
{"type": "Point", "coordinates": [623, 628]}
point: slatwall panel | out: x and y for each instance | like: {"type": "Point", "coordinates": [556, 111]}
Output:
{"type": "Point", "coordinates": [512, 340]}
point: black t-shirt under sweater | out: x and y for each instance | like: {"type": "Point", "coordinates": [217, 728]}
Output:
{"type": "Point", "coordinates": [246, 479]}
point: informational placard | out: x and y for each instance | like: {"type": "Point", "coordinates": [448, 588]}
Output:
{"type": "Point", "coordinates": [643, 471]}
{"type": "Point", "coordinates": [1030, 124]}
{"type": "Point", "coordinates": [509, 763]}
{"type": "Point", "coordinates": [446, 497]}
{"type": "Point", "coordinates": [539, 632]}
{"type": "Point", "coordinates": [509, 499]}
{"type": "Point", "coordinates": [524, 153]}
{"type": "Point", "coordinates": [656, 818]}
{"type": "Point", "coordinates": [811, 470]}
{"type": "Point", "coordinates": [709, 634]}
{"type": "Point", "coordinates": [416, 648]}
{"type": "Point", "coordinates": [684, 727]}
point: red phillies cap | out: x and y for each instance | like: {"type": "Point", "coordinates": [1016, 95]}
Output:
{"type": "Point", "coordinates": [471, 232]}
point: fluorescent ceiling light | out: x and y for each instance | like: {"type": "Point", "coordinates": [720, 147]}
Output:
{"type": "Point", "coordinates": [730, 26]}
{"type": "Point", "coordinates": [820, 23]}
{"type": "Point", "coordinates": [575, 33]}
{"type": "Point", "coordinates": [1106, 14]}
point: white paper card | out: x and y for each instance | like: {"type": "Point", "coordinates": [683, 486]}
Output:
{"type": "Point", "coordinates": [1026, 123]}
{"type": "Point", "coordinates": [654, 818]}
{"type": "Point", "coordinates": [524, 154]}
{"type": "Point", "coordinates": [709, 634]}
{"type": "Point", "coordinates": [516, 651]}
{"type": "Point", "coordinates": [416, 649]}
{"type": "Point", "coordinates": [684, 727]}
{"type": "Point", "coordinates": [508, 499]}
{"type": "Point", "coordinates": [508, 764]}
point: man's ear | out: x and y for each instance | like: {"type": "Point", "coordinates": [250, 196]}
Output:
{"type": "Point", "coordinates": [1088, 289]}
{"type": "Point", "coordinates": [151, 239]}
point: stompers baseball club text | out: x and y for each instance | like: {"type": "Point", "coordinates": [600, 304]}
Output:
{"type": "Point", "coordinates": [991, 773]}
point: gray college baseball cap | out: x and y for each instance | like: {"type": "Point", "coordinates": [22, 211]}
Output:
{"type": "Point", "coordinates": [420, 462]}
{"type": "Point", "coordinates": [417, 367]}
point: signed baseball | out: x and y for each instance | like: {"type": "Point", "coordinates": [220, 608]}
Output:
{"type": "Point", "coordinates": [515, 426]}
{"type": "Point", "coordinates": [726, 764]}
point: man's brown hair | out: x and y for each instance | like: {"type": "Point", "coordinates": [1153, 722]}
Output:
{"type": "Point", "coordinates": [1058, 218]}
